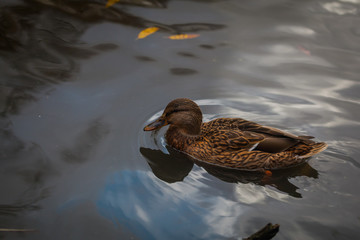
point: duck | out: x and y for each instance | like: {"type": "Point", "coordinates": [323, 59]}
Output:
{"type": "Point", "coordinates": [232, 142]}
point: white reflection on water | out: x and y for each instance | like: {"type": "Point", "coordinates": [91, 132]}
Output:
{"type": "Point", "coordinates": [140, 212]}
{"type": "Point", "coordinates": [326, 86]}
{"type": "Point", "coordinates": [149, 207]}
{"type": "Point", "coordinates": [223, 213]}
{"type": "Point", "coordinates": [299, 30]}
{"type": "Point", "coordinates": [313, 91]}
{"type": "Point", "coordinates": [209, 102]}
{"type": "Point", "coordinates": [339, 8]}
{"type": "Point", "coordinates": [252, 193]}
{"type": "Point", "coordinates": [279, 54]}
{"type": "Point", "coordinates": [351, 1]}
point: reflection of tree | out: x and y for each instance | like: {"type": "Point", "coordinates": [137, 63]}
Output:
{"type": "Point", "coordinates": [39, 41]}
{"type": "Point", "coordinates": [15, 209]}
{"type": "Point", "coordinates": [25, 169]}
{"type": "Point", "coordinates": [175, 167]}
{"type": "Point", "coordinates": [40, 46]}
{"type": "Point", "coordinates": [96, 12]}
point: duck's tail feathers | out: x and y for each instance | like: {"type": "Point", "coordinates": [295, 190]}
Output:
{"type": "Point", "coordinates": [315, 149]}
{"type": "Point", "coordinates": [305, 137]}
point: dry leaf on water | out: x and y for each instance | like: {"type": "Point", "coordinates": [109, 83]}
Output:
{"type": "Point", "coordinates": [146, 32]}
{"type": "Point", "coordinates": [111, 2]}
{"type": "Point", "coordinates": [183, 36]}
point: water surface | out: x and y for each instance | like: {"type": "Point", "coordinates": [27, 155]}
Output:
{"type": "Point", "coordinates": [77, 88]}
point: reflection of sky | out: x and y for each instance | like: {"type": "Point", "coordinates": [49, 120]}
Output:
{"type": "Point", "coordinates": [318, 90]}
{"type": "Point", "coordinates": [152, 209]}
{"type": "Point", "coordinates": [341, 8]}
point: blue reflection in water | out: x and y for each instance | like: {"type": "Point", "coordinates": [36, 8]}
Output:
{"type": "Point", "coordinates": [135, 201]}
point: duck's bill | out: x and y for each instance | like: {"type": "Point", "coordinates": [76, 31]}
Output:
{"type": "Point", "coordinates": [155, 125]}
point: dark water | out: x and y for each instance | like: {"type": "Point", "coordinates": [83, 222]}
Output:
{"type": "Point", "coordinates": [77, 89]}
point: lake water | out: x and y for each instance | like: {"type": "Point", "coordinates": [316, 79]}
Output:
{"type": "Point", "coordinates": [77, 88]}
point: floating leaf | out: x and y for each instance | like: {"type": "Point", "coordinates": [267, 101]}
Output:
{"type": "Point", "coordinates": [268, 173]}
{"type": "Point", "coordinates": [183, 36]}
{"type": "Point", "coordinates": [146, 32]}
{"type": "Point", "coordinates": [111, 2]}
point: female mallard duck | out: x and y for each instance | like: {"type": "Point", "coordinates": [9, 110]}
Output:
{"type": "Point", "coordinates": [232, 142]}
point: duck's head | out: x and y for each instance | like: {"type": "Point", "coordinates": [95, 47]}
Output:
{"type": "Point", "coordinates": [181, 113]}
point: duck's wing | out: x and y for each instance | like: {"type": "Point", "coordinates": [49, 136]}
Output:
{"type": "Point", "coordinates": [232, 139]}
{"type": "Point", "coordinates": [244, 125]}
{"type": "Point", "coordinates": [275, 140]}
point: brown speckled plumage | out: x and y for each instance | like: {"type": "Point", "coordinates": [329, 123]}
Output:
{"type": "Point", "coordinates": [232, 142]}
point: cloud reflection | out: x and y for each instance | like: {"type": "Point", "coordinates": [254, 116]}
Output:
{"type": "Point", "coordinates": [280, 54]}
{"type": "Point", "coordinates": [339, 8]}
{"type": "Point", "coordinates": [149, 208]}
{"type": "Point", "coordinates": [298, 30]}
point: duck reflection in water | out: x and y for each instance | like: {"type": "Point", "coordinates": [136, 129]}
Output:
{"type": "Point", "coordinates": [175, 166]}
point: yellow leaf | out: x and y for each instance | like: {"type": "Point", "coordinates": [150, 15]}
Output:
{"type": "Point", "coordinates": [111, 2]}
{"type": "Point", "coordinates": [146, 32]}
{"type": "Point", "coordinates": [183, 36]}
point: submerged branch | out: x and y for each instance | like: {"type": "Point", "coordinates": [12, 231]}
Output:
{"type": "Point", "coordinates": [266, 233]}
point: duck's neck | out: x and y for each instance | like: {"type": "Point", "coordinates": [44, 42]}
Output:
{"type": "Point", "coordinates": [179, 138]}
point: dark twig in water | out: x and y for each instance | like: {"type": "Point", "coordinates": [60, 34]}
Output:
{"type": "Point", "coordinates": [266, 233]}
